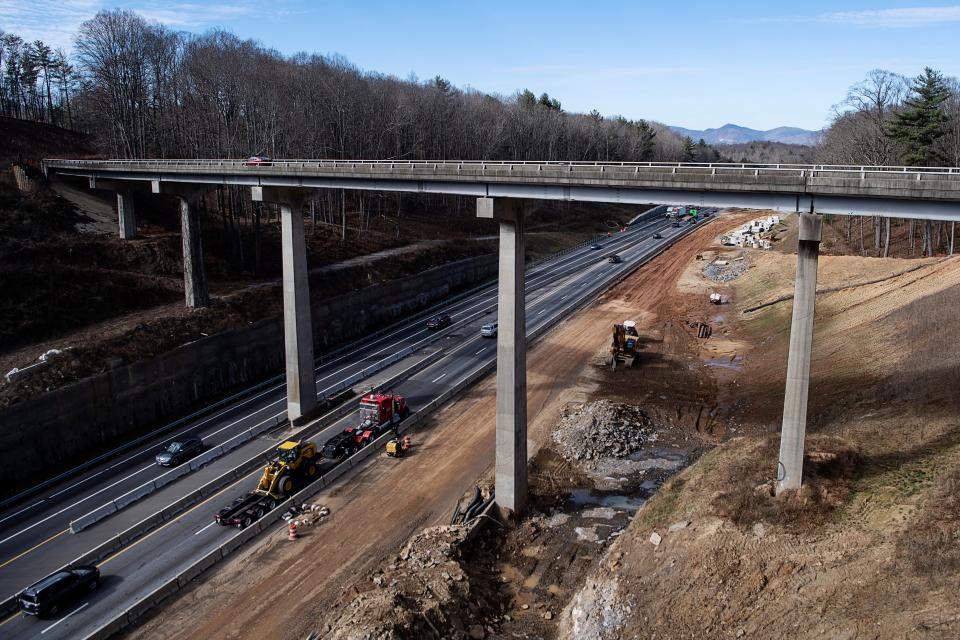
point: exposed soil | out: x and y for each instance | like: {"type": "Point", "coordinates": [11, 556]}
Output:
{"type": "Point", "coordinates": [262, 592]}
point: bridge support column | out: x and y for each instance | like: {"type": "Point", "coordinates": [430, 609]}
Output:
{"type": "Point", "coordinates": [511, 431]}
{"type": "Point", "coordinates": [297, 323]}
{"type": "Point", "coordinates": [126, 215]}
{"type": "Point", "coordinates": [194, 275]}
{"type": "Point", "coordinates": [794, 427]}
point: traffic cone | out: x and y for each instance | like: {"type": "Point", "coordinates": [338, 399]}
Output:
{"type": "Point", "coordinates": [292, 531]}
{"type": "Point", "coordinates": [406, 442]}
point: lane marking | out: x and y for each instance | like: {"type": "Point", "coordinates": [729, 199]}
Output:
{"type": "Point", "coordinates": [11, 617]}
{"type": "Point", "coordinates": [36, 546]}
{"type": "Point", "coordinates": [54, 515]}
{"type": "Point", "coordinates": [176, 519]}
{"type": "Point", "coordinates": [541, 311]}
{"type": "Point", "coordinates": [535, 275]}
{"type": "Point", "coordinates": [77, 610]}
{"type": "Point", "coordinates": [205, 528]}
{"type": "Point", "coordinates": [437, 379]}
{"type": "Point", "coordinates": [37, 504]}
{"type": "Point", "coordinates": [480, 351]}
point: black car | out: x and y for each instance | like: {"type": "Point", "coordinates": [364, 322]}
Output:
{"type": "Point", "coordinates": [439, 322]}
{"type": "Point", "coordinates": [657, 236]}
{"type": "Point", "coordinates": [676, 223]}
{"type": "Point", "coordinates": [49, 596]}
{"type": "Point", "coordinates": [595, 246]}
{"type": "Point", "coordinates": [179, 450]}
{"type": "Point", "coordinates": [613, 258]}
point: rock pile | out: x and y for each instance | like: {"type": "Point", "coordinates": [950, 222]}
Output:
{"type": "Point", "coordinates": [724, 270]}
{"type": "Point", "coordinates": [601, 429]}
{"type": "Point", "coordinates": [418, 593]}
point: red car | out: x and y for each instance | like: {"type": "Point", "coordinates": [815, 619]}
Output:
{"type": "Point", "coordinates": [439, 322]}
{"type": "Point", "coordinates": [258, 161]}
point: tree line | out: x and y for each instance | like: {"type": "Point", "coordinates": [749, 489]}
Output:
{"type": "Point", "coordinates": [149, 91]}
{"type": "Point", "coordinates": [888, 119]}
{"type": "Point", "coordinates": [36, 82]}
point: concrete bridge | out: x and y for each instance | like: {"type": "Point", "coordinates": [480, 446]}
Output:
{"type": "Point", "coordinates": [505, 192]}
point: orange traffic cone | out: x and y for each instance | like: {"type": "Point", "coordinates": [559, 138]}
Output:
{"type": "Point", "coordinates": [292, 531]}
{"type": "Point", "coordinates": [406, 442]}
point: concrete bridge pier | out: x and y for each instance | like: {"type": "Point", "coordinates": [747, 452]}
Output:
{"type": "Point", "coordinates": [297, 323]}
{"type": "Point", "coordinates": [794, 427]}
{"type": "Point", "coordinates": [511, 431]}
{"type": "Point", "coordinates": [126, 215]}
{"type": "Point", "coordinates": [194, 275]}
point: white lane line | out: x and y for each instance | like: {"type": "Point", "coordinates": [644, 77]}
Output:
{"type": "Point", "coordinates": [480, 351]}
{"type": "Point", "coordinates": [22, 510]}
{"type": "Point", "coordinates": [54, 515]}
{"type": "Point", "coordinates": [205, 528]}
{"type": "Point", "coordinates": [437, 379]}
{"type": "Point", "coordinates": [484, 300]}
{"type": "Point", "coordinates": [81, 607]}
{"type": "Point", "coordinates": [541, 311]}
{"type": "Point", "coordinates": [564, 297]}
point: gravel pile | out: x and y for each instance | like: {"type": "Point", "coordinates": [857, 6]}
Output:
{"type": "Point", "coordinates": [601, 429]}
{"type": "Point", "coordinates": [725, 273]}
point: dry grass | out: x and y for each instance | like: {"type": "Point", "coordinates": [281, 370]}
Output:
{"type": "Point", "coordinates": [931, 546]}
{"type": "Point", "coordinates": [830, 468]}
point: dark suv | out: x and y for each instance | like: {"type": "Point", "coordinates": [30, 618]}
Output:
{"type": "Point", "coordinates": [179, 450]}
{"type": "Point", "coordinates": [439, 322]}
{"type": "Point", "coordinates": [49, 596]}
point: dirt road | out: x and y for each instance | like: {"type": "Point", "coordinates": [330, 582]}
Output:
{"type": "Point", "coordinates": [283, 589]}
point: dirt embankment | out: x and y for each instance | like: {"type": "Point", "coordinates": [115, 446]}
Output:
{"type": "Point", "coordinates": [264, 592]}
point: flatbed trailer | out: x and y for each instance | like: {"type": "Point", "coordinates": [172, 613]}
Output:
{"type": "Point", "coordinates": [246, 510]}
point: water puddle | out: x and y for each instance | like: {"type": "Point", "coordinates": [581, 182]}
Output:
{"type": "Point", "coordinates": [583, 497]}
{"type": "Point", "coordinates": [725, 362]}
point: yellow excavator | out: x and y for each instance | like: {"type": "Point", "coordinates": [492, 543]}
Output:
{"type": "Point", "coordinates": [625, 345]}
{"type": "Point", "coordinates": [293, 461]}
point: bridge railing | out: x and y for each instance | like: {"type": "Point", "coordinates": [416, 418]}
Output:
{"type": "Point", "coordinates": [520, 166]}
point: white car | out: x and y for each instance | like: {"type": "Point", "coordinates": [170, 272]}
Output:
{"type": "Point", "coordinates": [489, 330]}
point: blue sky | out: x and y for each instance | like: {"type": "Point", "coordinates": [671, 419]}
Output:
{"type": "Point", "coordinates": [693, 64]}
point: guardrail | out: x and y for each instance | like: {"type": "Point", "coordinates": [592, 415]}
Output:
{"type": "Point", "coordinates": [148, 524]}
{"type": "Point", "coordinates": [174, 585]}
{"type": "Point", "coordinates": [291, 163]}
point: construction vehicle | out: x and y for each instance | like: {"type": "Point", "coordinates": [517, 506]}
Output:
{"type": "Point", "coordinates": [379, 412]}
{"type": "Point", "coordinates": [624, 348]}
{"type": "Point", "coordinates": [397, 447]}
{"type": "Point", "coordinates": [293, 464]}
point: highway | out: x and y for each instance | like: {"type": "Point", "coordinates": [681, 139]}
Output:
{"type": "Point", "coordinates": [34, 539]}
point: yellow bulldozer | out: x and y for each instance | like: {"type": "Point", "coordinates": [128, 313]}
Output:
{"type": "Point", "coordinates": [293, 462]}
{"type": "Point", "coordinates": [625, 346]}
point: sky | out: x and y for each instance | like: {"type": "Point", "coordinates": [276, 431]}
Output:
{"type": "Point", "coordinates": [687, 63]}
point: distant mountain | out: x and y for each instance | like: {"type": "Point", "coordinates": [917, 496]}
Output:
{"type": "Point", "coordinates": [735, 134]}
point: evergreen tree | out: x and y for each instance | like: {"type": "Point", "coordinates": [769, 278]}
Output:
{"type": "Point", "coordinates": [689, 149]}
{"type": "Point", "coordinates": [919, 126]}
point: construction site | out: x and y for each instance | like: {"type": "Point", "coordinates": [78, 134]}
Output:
{"type": "Point", "coordinates": [652, 511]}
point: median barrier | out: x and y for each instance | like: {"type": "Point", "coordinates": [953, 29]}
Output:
{"type": "Point", "coordinates": [199, 567]}
{"type": "Point", "coordinates": [211, 559]}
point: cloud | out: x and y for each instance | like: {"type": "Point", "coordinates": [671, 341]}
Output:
{"type": "Point", "coordinates": [53, 21]}
{"type": "Point", "coordinates": [881, 18]}
{"type": "Point", "coordinates": [187, 15]}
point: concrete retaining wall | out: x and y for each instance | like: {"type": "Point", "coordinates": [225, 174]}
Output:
{"type": "Point", "coordinates": [89, 415]}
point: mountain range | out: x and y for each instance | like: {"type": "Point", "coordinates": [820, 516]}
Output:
{"type": "Point", "coordinates": [735, 134]}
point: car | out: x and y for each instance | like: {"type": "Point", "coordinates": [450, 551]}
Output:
{"type": "Point", "coordinates": [49, 596]}
{"type": "Point", "coordinates": [658, 236]}
{"type": "Point", "coordinates": [489, 330]}
{"type": "Point", "coordinates": [675, 224]}
{"type": "Point", "coordinates": [613, 259]}
{"type": "Point", "coordinates": [260, 160]}
{"type": "Point", "coordinates": [439, 322]}
{"type": "Point", "coordinates": [179, 450]}
{"type": "Point", "coordinates": [595, 246]}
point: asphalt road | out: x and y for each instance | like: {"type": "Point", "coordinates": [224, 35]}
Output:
{"type": "Point", "coordinates": [34, 539]}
